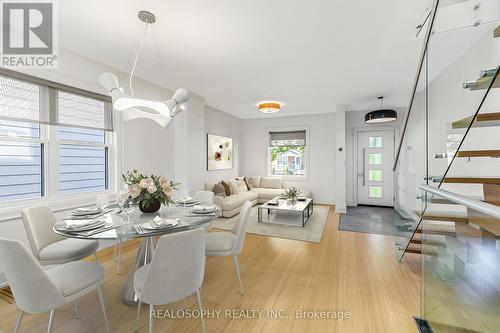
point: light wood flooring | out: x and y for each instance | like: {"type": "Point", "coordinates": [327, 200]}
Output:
{"type": "Point", "coordinates": [347, 271]}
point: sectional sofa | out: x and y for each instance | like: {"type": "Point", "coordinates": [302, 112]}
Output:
{"type": "Point", "coordinates": [265, 188]}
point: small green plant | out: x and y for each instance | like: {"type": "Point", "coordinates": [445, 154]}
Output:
{"type": "Point", "coordinates": [292, 193]}
{"type": "Point", "coordinates": [148, 189]}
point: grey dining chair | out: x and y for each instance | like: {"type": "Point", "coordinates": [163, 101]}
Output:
{"type": "Point", "coordinates": [230, 243]}
{"type": "Point", "coordinates": [36, 290]}
{"type": "Point", "coordinates": [48, 247]}
{"type": "Point", "coordinates": [204, 197]}
{"type": "Point", "coordinates": [175, 272]}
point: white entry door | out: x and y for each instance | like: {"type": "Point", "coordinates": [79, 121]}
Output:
{"type": "Point", "coordinates": [375, 176]}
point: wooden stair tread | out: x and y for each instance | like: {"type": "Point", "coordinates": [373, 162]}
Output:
{"type": "Point", "coordinates": [427, 242]}
{"type": "Point", "coordinates": [478, 153]}
{"type": "Point", "coordinates": [489, 225]}
{"type": "Point", "coordinates": [416, 249]}
{"type": "Point", "coordinates": [472, 180]}
{"type": "Point", "coordinates": [459, 216]}
{"type": "Point", "coordinates": [482, 120]}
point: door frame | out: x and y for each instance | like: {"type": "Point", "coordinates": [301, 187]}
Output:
{"type": "Point", "coordinates": [355, 178]}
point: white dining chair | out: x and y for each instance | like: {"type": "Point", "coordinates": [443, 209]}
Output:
{"type": "Point", "coordinates": [204, 197]}
{"type": "Point", "coordinates": [175, 272]}
{"type": "Point", "coordinates": [48, 247]}
{"type": "Point", "coordinates": [36, 290]}
{"type": "Point", "coordinates": [230, 243]}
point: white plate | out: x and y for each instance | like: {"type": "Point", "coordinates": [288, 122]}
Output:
{"type": "Point", "coordinates": [86, 227]}
{"type": "Point", "coordinates": [164, 223]}
{"type": "Point", "coordinates": [186, 199]}
{"type": "Point", "coordinates": [86, 212]}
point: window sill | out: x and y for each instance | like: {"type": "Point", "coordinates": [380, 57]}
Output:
{"type": "Point", "coordinates": [292, 178]}
{"type": "Point", "coordinates": [12, 210]}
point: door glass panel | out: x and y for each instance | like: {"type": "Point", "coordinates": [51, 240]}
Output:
{"type": "Point", "coordinates": [375, 192]}
{"type": "Point", "coordinates": [375, 175]}
{"type": "Point", "coordinates": [374, 159]}
{"type": "Point", "coordinates": [375, 142]}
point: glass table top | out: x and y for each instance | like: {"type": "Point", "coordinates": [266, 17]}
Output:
{"type": "Point", "coordinates": [122, 227]}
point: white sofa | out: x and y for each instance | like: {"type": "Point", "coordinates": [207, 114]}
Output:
{"type": "Point", "coordinates": [265, 189]}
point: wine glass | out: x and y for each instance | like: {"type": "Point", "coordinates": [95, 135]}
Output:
{"type": "Point", "coordinates": [123, 200]}
{"type": "Point", "coordinates": [102, 201]}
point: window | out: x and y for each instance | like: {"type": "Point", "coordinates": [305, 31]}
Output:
{"type": "Point", "coordinates": [21, 161]}
{"type": "Point", "coordinates": [286, 153]}
{"type": "Point", "coordinates": [50, 134]}
{"type": "Point", "coordinates": [375, 175]}
{"type": "Point", "coordinates": [375, 192]}
{"type": "Point", "coordinates": [374, 159]}
{"type": "Point", "coordinates": [83, 160]}
{"type": "Point", "coordinates": [375, 142]}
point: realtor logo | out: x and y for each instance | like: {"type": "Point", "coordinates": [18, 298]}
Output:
{"type": "Point", "coordinates": [28, 34]}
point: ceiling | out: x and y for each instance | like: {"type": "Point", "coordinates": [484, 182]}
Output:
{"type": "Point", "coordinates": [310, 55]}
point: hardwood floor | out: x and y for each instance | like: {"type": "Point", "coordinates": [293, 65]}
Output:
{"type": "Point", "coordinates": [353, 272]}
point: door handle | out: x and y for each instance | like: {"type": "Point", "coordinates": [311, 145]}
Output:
{"type": "Point", "coordinates": [364, 166]}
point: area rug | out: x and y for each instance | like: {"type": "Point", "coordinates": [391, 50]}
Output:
{"type": "Point", "coordinates": [372, 220]}
{"type": "Point", "coordinates": [312, 231]}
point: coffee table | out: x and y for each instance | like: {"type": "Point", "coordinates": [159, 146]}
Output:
{"type": "Point", "coordinates": [267, 213]}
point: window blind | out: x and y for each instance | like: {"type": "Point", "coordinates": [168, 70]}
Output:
{"type": "Point", "coordinates": [42, 103]}
{"type": "Point", "coordinates": [290, 138]}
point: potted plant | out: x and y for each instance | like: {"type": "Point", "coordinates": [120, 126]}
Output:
{"type": "Point", "coordinates": [291, 196]}
{"type": "Point", "coordinates": [149, 192]}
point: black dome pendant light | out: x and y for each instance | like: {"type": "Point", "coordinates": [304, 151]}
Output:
{"type": "Point", "coordinates": [382, 115]}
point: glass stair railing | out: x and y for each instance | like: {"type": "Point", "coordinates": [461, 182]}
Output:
{"type": "Point", "coordinates": [447, 174]}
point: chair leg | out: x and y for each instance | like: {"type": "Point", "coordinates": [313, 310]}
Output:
{"type": "Point", "coordinates": [237, 265]}
{"type": "Point", "coordinates": [119, 260]}
{"type": "Point", "coordinates": [151, 312]}
{"type": "Point", "coordinates": [95, 257]}
{"type": "Point", "coordinates": [200, 307]}
{"type": "Point", "coordinates": [103, 308]}
{"type": "Point", "coordinates": [139, 303]}
{"type": "Point", "coordinates": [77, 309]}
{"type": "Point", "coordinates": [51, 320]}
{"type": "Point", "coordinates": [18, 322]}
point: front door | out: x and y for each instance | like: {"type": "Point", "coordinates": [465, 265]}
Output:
{"type": "Point", "coordinates": [375, 160]}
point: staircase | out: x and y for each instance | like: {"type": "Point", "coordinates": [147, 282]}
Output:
{"type": "Point", "coordinates": [448, 187]}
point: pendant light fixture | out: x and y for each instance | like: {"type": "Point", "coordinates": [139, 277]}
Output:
{"type": "Point", "coordinates": [382, 115]}
{"type": "Point", "coordinates": [161, 112]}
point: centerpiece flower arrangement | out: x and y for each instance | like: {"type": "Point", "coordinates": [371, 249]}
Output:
{"type": "Point", "coordinates": [292, 195]}
{"type": "Point", "coordinates": [150, 192]}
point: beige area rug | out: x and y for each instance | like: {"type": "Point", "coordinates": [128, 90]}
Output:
{"type": "Point", "coordinates": [312, 231]}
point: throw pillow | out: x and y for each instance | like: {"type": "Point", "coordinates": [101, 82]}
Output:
{"type": "Point", "coordinates": [242, 186]}
{"type": "Point", "coordinates": [249, 183]}
{"type": "Point", "coordinates": [227, 188]}
{"type": "Point", "coordinates": [234, 187]}
{"type": "Point", "coordinates": [219, 190]}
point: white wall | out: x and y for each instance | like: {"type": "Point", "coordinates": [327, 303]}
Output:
{"type": "Point", "coordinates": [321, 162]}
{"type": "Point", "coordinates": [220, 123]}
{"type": "Point", "coordinates": [144, 144]}
{"type": "Point", "coordinates": [356, 120]}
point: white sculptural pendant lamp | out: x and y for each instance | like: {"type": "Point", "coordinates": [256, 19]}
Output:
{"type": "Point", "coordinates": [133, 107]}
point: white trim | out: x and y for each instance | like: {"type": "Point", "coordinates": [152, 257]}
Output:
{"type": "Point", "coordinates": [355, 132]}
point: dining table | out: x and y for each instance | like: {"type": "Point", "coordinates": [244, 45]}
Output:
{"type": "Point", "coordinates": [122, 227]}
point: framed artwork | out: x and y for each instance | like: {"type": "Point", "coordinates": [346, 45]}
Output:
{"type": "Point", "coordinates": [219, 152]}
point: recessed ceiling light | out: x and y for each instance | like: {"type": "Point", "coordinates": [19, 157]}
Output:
{"type": "Point", "coordinates": [269, 107]}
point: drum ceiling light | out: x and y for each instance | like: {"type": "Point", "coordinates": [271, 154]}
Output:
{"type": "Point", "coordinates": [382, 115]}
{"type": "Point", "coordinates": [269, 107]}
